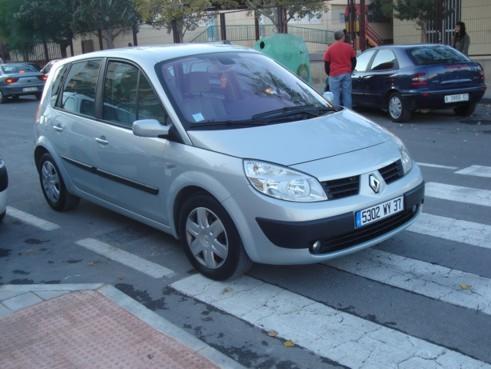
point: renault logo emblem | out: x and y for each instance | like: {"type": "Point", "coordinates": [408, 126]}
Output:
{"type": "Point", "coordinates": [374, 183]}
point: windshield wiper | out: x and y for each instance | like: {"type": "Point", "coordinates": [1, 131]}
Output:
{"type": "Point", "coordinates": [227, 124]}
{"type": "Point", "coordinates": [311, 110]}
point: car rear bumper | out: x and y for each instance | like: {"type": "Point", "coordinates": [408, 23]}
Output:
{"type": "Point", "coordinates": [21, 90]}
{"type": "Point", "coordinates": [436, 99]}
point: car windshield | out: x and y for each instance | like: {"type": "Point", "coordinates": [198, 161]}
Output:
{"type": "Point", "coordinates": [236, 90]}
{"type": "Point", "coordinates": [17, 68]}
{"type": "Point", "coordinates": [436, 55]}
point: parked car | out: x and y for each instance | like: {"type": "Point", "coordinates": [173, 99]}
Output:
{"type": "Point", "coordinates": [19, 79]}
{"type": "Point", "coordinates": [46, 69]}
{"type": "Point", "coordinates": [224, 149]}
{"type": "Point", "coordinates": [4, 182]}
{"type": "Point", "coordinates": [405, 78]}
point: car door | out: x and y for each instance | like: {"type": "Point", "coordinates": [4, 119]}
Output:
{"type": "Point", "coordinates": [359, 88]}
{"type": "Point", "coordinates": [379, 78]}
{"type": "Point", "coordinates": [132, 168]}
{"type": "Point", "coordinates": [73, 125]}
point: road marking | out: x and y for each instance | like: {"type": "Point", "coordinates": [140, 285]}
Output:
{"type": "Point", "coordinates": [135, 262]}
{"type": "Point", "coordinates": [466, 195]}
{"type": "Point", "coordinates": [429, 165]}
{"type": "Point", "coordinates": [31, 219]}
{"type": "Point", "coordinates": [435, 281]}
{"type": "Point", "coordinates": [476, 170]}
{"type": "Point", "coordinates": [475, 234]}
{"type": "Point", "coordinates": [339, 336]}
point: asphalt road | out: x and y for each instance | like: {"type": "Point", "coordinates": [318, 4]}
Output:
{"type": "Point", "coordinates": [419, 300]}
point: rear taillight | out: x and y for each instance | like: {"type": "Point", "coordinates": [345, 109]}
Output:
{"type": "Point", "coordinates": [43, 77]}
{"type": "Point", "coordinates": [481, 73]}
{"type": "Point", "coordinates": [419, 80]}
{"type": "Point", "coordinates": [10, 80]}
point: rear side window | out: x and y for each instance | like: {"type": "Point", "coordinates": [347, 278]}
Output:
{"type": "Point", "coordinates": [55, 88]}
{"type": "Point", "coordinates": [363, 60]}
{"type": "Point", "coordinates": [384, 60]}
{"type": "Point", "coordinates": [435, 55]}
{"type": "Point", "coordinates": [120, 93]}
{"type": "Point", "coordinates": [80, 88]}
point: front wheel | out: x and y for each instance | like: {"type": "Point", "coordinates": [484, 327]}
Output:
{"type": "Point", "coordinates": [397, 108]}
{"type": "Point", "coordinates": [465, 110]}
{"type": "Point", "coordinates": [210, 239]}
{"type": "Point", "coordinates": [53, 187]}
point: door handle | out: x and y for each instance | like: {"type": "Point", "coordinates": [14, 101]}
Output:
{"type": "Point", "coordinates": [102, 140]}
{"type": "Point", "coordinates": [58, 127]}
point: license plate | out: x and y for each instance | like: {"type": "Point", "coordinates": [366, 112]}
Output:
{"type": "Point", "coordinates": [379, 212]}
{"type": "Point", "coordinates": [456, 98]}
{"type": "Point", "coordinates": [29, 89]}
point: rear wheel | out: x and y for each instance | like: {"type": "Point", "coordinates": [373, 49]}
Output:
{"type": "Point", "coordinates": [210, 239]}
{"type": "Point", "coordinates": [465, 110]}
{"type": "Point", "coordinates": [3, 98]}
{"type": "Point", "coordinates": [397, 108]}
{"type": "Point", "coordinates": [53, 187]}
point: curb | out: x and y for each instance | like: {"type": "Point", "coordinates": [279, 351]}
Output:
{"type": "Point", "coordinates": [136, 309]}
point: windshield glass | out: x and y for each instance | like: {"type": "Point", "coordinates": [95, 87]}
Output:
{"type": "Point", "coordinates": [235, 89]}
{"type": "Point", "coordinates": [436, 55]}
{"type": "Point", "coordinates": [17, 68]}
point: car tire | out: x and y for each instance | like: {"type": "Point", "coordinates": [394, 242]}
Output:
{"type": "Point", "coordinates": [218, 252]}
{"type": "Point", "coordinates": [3, 98]}
{"type": "Point", "coordinates": [38, 96]}
{"type": "Point", "coordinates": [53, 186]}
{"type": "Point", "coordinates": [397, 108]}
{"type": "Point", "coordinates": [465, 110]}
{"type": "Point", "coordinates": [2, 215]}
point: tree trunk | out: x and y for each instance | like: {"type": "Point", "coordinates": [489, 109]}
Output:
{"type": "Point", "coordinates": [134, 30]}
{"type": "Point", "coordinates": [63, 46]}
{"type": "Point", "coordinates": [46, 53]}
{"type": "Point", "coordinates": [99, 36]}
{"type": "Point", "coordinates": [176, 32]}
{"type": "Point", "coordinates": [108, 35]}
{"type": "Point", "coordinates": [72, 53]}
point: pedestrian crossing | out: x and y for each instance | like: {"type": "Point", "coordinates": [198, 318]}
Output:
{"type": "Point", "coordinates": [342, 336]}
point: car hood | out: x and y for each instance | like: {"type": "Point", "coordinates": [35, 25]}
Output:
{"type": "Point", "coordinates": [295, 142]}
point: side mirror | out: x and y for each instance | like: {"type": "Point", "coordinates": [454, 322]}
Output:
{"type": "Point", "coordinates": [150, 128]}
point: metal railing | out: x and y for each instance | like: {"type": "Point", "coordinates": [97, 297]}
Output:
{"type": "Point", "coordinates": [248, 33]}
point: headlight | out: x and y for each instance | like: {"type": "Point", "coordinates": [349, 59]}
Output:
{"type": "Point", "coordinates": [283, 183]}
{"type": "Point", "coordinates": [407, 162]}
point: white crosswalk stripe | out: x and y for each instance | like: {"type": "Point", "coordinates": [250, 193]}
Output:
{"type": "Point", "coordinates": [466, 195]}
{"type": "Point", "coordinates": [339, 336]}
{"type": "Point", "coordinates": [476, 170]}
{"type": "Point", "coordinates": [438, 282]}
{"type": "Point", "coordinates": [475, 234]}
{"type": "Point", "coordinates": [126, 258]}
{"type": "Point", "coordinates": [437, 166]}
{"type": "Point", "coordinates": [32, 220]}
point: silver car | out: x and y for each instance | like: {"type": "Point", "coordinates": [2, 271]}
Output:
{"type": "Point", "coordinates": [19, 79]}
{"type": "Point", "coordinates": [225, 150]}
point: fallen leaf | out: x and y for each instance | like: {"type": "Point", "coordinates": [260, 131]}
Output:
{"type": "Point", "coordinates": [272, 333]}
{"type": "Point", "coordinates": [465, 286]}
{"type": "Point", "coordinates": [289, 344]}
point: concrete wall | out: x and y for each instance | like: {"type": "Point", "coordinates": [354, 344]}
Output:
{"type": "Point", "coordinates": [477, 17]}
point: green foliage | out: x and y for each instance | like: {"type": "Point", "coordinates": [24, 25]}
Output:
{"type": "Point", "coordinates": [294, 9]}
{"type": "Point", "coordinates": [421, 11]}
{"type": "Point", "coordinates": [174, 15]}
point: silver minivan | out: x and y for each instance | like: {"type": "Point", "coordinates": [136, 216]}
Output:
{"type": "Point", "coordinates": [224, 149]}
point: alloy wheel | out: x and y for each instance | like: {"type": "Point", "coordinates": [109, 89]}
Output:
{"type": "Point", "coordinates": [207, 238]}
{"type": "Point", "coordinates": [51, 182]}
{"type": "Point", "coordinates": [395, 107]}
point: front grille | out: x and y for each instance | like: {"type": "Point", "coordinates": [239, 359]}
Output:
{"type": "Point", "coordinates": [344, 187]}
{"type": "Point", "coordinates": [392, 172]}
{"type": "Point", "coordinates": [367, 233]}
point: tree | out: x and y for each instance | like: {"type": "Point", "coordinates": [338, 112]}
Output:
{"type": "Point", "coordinates": [280, 12]}
{"type": "Point", "coordinates": [420, 11]}
{"type": "Point", "coordinates": [11, 33]}
{"type": "Point", "coordinates": [106, 18]}
{"type": "Point", "coordinates": [177, 16]}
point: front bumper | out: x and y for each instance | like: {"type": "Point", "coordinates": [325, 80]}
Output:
{"type": "Point", "coordinates": [338, 232]}
{"type": "Point", "coordinates": [421, 99]}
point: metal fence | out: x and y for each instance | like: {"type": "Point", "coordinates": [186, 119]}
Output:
{"type": "Point", "coordinates": [37, 53]}
{"type": "Point", "coordinates": [248, 33]}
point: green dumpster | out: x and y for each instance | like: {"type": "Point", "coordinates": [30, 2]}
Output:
{"type": "Point", "coordinates": [288, 50]}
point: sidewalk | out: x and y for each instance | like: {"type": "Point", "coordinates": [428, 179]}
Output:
{"type": "Point", "coordinates": [93, 326]}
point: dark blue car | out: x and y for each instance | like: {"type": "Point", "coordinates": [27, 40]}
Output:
{"type": "Point", "coordinates": [405, 78]}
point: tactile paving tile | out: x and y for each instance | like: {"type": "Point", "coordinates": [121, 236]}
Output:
{"type": "Point", "coordinates": [85, 330]}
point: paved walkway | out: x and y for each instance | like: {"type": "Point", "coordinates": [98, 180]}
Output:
{"type": "Point", "coordinates": [92, 326]}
